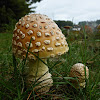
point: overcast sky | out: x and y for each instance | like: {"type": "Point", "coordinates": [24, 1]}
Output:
{"type": "Point", "coordinates": [73, 10]}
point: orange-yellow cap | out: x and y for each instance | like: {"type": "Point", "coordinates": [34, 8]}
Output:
{"type": "Point", "coordinates": [46, 37]}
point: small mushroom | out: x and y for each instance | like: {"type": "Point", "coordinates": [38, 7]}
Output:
{"type": "Point", "coordinates": [68, 29]}
{"type": "Point", "coordinates": [45, 44]}
{"type": "Point", "coordinates": [78, 70]}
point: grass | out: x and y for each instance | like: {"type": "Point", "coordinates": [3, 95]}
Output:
{"type": "Point", "coordinates": [12, 84]}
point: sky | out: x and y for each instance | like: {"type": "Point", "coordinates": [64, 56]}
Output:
{"type": "Point", "coordinates": [73, 10]}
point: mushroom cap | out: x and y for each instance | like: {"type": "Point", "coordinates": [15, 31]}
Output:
{"type": "Point", "coordinates": [46, 37]}
{"type": "Point", "coordinates": [78, 70]}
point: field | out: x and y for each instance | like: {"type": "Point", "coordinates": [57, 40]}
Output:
{"type": "Point", "coordinates": [86, 51]}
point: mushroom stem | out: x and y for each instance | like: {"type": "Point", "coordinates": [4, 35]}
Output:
{"type": "Point", "coordinates": [37, 69]}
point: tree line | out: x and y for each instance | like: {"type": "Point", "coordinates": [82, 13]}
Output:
{"type": "Point", "coordinates": [62, 23]}
{"type": "Point", "coordinates": [82, 23]}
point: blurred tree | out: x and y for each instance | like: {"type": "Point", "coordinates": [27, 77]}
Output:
{"type": "Point", "coordinates": [82, 23]}
{"type": "Point", "coordinates": [98, 21]}
{"type": "Point", "coordinates": [12, 10]}
{"type": "Point", "coordinates": [33, 1]}
{"type": "Point", "coordinates": [64, 23]}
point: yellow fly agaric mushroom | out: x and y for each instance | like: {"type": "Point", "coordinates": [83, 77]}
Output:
{"type": "Point", "coordinates": [78, 70]}
{"type": "Point", "coordinates": [47, 41]}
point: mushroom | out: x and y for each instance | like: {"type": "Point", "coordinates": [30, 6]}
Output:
{"type": "Point", "coordinates": [78, 70]}
{"type": "Point", "coordinates": [47, 41]}
{"type": "Point", "coordinates": [68, 29]}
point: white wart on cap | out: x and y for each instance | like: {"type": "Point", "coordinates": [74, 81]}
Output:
{"type": "Point", "coordinates": [47, 38]}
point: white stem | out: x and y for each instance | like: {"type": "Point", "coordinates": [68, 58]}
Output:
{"type": "Point", "coordinates": [36, 70]}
